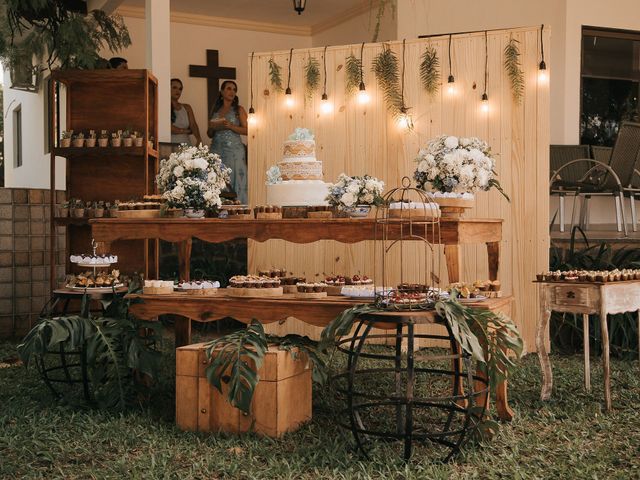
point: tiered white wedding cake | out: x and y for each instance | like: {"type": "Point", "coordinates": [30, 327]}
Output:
{"type": "Point", "coordinates": [297, 179]}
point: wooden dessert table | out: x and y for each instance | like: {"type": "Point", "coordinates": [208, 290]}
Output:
{"type": "Point", "coordinates": [318, 312]}
{"type": "Point", "coordinates": [453, 233]}
{"type": "Point", "coordinates": [586, 298]}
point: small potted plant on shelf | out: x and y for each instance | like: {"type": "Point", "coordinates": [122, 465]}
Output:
{"type": "Point", "coordinates": [113, 209]}
{"type": "Point", "coordinates": [127, 141]}
{"type": "Point", "coordinates": [78, 208]}
{"type": "Point", "coordinates": [78, 140]}
{"type": "Point", "coordinates": [355, 195]}
{"type": "Point", "coordinates": [90, 141]}
{"type": "Point", "coordinates": [89, 210]}
{"type": "Point", "coordinates": [116, 138]}
{"type": "Point", "coordinates": [98, 209]}
{"type": "Point", "coordinates": [192, 179]}
{"type": "Point", "coordinates": [64, 209]}
{"type": "Point", "coordinates": [103, 139]}
{"type": "Point", "coordinates": [138, 139]}
{"type": "Point", "coordinates": [65, 138]}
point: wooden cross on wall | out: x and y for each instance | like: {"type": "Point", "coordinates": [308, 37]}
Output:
{"type": "Point", "coordinates": [213, 72]}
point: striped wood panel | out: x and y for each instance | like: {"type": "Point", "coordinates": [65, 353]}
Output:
{"type": "Point", "coordinates": [364, 139]}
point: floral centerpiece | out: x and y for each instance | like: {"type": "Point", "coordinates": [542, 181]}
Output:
{"type": "Point", "coordinates": [349, 193]}
{"type": "Point", "coordinates": [455, 165]}
{"type": "Point", "coordinates": [192, 178]}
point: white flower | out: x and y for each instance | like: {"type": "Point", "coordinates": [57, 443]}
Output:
{"type": "Point", "coordinates": [178, 171]}
{"type": "Point", "coordinates": [200, 163]}
{"type": "Point", "coordinates": [451, 142]}
{"type": "Point", "coordinates": [348, 199]}
{"type": "Point", "coordinates": [353, 188]}
{"type": "Point", "coordinates": [368, 198]}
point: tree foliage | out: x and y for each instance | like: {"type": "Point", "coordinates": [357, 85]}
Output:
{"type": "Point", "coordinates": [44, 33]}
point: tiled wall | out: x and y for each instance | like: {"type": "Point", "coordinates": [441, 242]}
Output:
{"type": "Point", "coordinates": [24, 257]}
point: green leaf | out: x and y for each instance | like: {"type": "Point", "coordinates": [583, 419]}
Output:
{"type": "Point", "coordinates": [514, 69]}
{"type": "Point", "coordinates": [385, 67]}
{"type": "Point", "coordinates": [311, 77]}
{"type": "Point", "coordinates": [353, 74]}
{"type": "Point", "coordinates": [239, 356]}
{"type": "Point", "coordinates": [275, 75]}
{"type": "Point", "coordinates": [429, 71]}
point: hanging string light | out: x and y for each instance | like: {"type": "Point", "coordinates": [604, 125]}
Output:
{"type": "Point", "coordinates": [251, 120]}
{"type": "Point", "coordinates": [288, 98]}
{"type": "Point", "coordinates": [451, 89]}
{"type": "Point", "coordinates": [363, 96]}
{"type": "Point", "coordinates": [485, 97]}
{"type": "Point", "coordinates": [325, 105]}
{"type": "Point", "coordinates": [404, 119]}
{"type": "Point", "coordinates": [542, 68]}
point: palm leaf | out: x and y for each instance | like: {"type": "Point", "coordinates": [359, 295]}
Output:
{"type": "Point", "coordinates": [514, 69]}
{"type": "Point", "coordinates": [353, 74]}
{"type": "Point", "coordinates": [429, 70]}
{"type": "Point", "coordinates": [235, 360]}
{"type": "Point", "coordinates": [275, 75]}
{"type": "Point", "coordinates": [295, 345]}
{"type": "Point", "coordinates": [311, 77]}
{"type": "Point", "coordinates": [385, 67]}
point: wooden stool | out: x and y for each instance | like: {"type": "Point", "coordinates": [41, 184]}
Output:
{"type": "Point", "coordinates": [281, 401]}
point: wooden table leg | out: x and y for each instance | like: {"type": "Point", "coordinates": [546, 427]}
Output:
{"type": "Point", "coordinates": [493, 252]}
{"type": "Point", "coordinates": [452, 256]}
{"type": "Point", "coordinates": [604, 331]}
{"type": "Point", "coordinates": [542, 339]}
{"type": "Point", "coordinates": [184, 259]}
{"type": "Point", "coordinates": [585, 338]}
{"type": "Point", "coordinates": [182, 331]}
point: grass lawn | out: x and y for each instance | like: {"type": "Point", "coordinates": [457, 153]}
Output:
{"type": "Point", "coordinates": [567, 438]}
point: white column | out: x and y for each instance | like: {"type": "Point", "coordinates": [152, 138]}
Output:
{"type": "Point", "coordinates": [158, 23]}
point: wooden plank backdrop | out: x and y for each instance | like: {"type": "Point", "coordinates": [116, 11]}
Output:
{"type": "Point", "coordinates": [358, 139]}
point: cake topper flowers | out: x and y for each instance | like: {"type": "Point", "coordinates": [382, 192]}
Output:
{"type": "Point", "coordinates": [301, 134]}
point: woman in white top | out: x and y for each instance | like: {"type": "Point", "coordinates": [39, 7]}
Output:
{"type": "Point", "coordinates": [183, 122]}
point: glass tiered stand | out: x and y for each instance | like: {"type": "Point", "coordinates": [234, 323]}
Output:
{"type": "Point", "coordinates": [392, 390]}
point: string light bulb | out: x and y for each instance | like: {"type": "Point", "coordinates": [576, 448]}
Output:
{"type": "Point", "coordinates": [543, 76]}
{"type": "Point", "coordinates": [451, 88]}
{"type": "Point", "coordinates": [485, 103]}
{"type": "Point", "coordinates": [325, 105]}
{"type": "Point", "coordinates": [363, 96]}
{"type": "Point", "coordinates": [404, 120]}
{"type": "Point", "coordinates": [288, 98]}
{"type": "Point", "coordinates": [251, 118]}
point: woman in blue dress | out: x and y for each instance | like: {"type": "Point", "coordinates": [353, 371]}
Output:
{"type": "Point", "coordinates": [227, 123]}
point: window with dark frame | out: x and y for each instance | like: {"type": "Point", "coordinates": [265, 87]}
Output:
{"type": "Point", "coordinates": [610, 83]}
{"type": "Point", "coordinates": [17, 136]}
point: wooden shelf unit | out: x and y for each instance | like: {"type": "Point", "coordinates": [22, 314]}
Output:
{"type": "Point", "coordinates": [83, 100]}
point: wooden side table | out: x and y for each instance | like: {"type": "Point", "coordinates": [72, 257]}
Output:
{"type": "Point", "coordinates": [586, 298]}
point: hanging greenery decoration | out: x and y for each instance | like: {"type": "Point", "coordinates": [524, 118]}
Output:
{"type": "Point", "coordinates": [380, 11]}
{"type": "Point", "coordinates": [311, 76]}
{"type": "Point", "coordinates": [352, 73]}
{"type": "Point", "coordinates": [385, 68]}
{"type": "Point", "coordinates": [429, 70]}
{"type": "Point", "coordinates": [275, 75]}
{"type": "Point", "coordinates": [514, 69]}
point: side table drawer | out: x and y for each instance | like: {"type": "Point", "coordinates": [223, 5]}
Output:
{"type": "Point", "coordinates": [570, 295]}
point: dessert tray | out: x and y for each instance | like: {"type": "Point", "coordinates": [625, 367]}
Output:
{"type": "Point", "coordinates": [100, 282]}
{"type": "Point", "coordinates": [157, 287]}
{"type": "Point", "coordinates": [254, 292]}
{"type": "Point", "coordinates": [199, 287]}
{"type": "Point", "coordinates": [311, 290]}
{"type": "Point", "coordinates": [91, 261]}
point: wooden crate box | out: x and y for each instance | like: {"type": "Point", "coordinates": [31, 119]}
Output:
{"type": "Point", "coordinates": [281, 401]}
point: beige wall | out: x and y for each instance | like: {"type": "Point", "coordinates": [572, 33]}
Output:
{"type": "Point", "coordinates": [188, 47]}
{"type": "Point", "coordinates": [357, 30]}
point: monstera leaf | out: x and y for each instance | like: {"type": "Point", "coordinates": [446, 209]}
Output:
{"type": "Point", "coordinates": [235, 361]}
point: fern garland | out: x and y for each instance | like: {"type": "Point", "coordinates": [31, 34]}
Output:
{"type": "Point", "coordinates": [385, 67]}
{"type": "Point", "coordinates": [275, 75]}
{"type": "Point", "coordinates": [514, 69]}
{"type": "Point", "coordinates": [352, 74]}
{"type": "Point", "coordinates": [430, 70]}
{"type": "Point", "coordinates": [311, 76]}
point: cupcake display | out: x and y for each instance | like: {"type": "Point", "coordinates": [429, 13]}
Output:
{"type": "Point", "coordinates": [589, 275]}
{"type": "Point", "coordinates": [254, 281]}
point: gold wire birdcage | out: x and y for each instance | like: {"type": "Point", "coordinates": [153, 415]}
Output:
{"type": "Point", "coordinates": [406, 240]}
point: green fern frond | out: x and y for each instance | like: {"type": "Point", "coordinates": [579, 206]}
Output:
{"type": "Point", "coordinates": [235, 360]}
{"type": "Point", "coordinates": [429, 70]}
{"type": "Point", "coordinates": [385, 67]}
{"type": "Point", "coordinates": [311, 76]}
{"type": "Point", "coordinates": [514, 69]}
{"type": "Point", "coordinates": [275, 75]}
{"type": "Point", "coordinates": [352, 74]}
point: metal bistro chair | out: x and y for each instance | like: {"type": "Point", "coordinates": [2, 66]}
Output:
{"type": "Point", "coordinates": [559, 156]}
{"type": "Point", "coordinates": [615, 179]}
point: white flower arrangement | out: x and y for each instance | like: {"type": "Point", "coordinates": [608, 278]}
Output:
{"type": "Point", "coordinates": [456, 165]}
{"type": "Point", "coordinates": [193, 177]}
{"type": "Point", "coordinates": [348, 192]}
{"type": "Point", "coordinates": [301, 134]}
{"type": "Point", "coordinates": [273, 175]}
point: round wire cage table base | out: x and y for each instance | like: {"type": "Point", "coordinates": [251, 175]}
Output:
{"type": "Point", "coordinates": [407, 396]}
